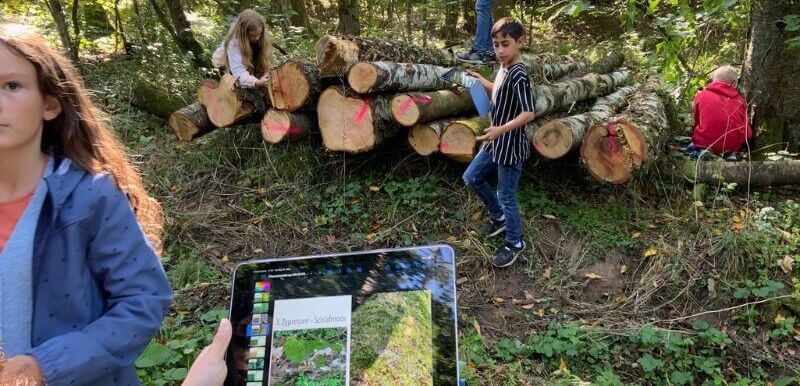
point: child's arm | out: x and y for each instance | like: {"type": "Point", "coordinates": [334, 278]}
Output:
{"type": "Point", "coordinates": [524, 95]}
{"type": "Point", "coordinates": [485, 83]}
{"type": "Point", "coordinates": [238, 69]}
{"type": "Point", "coordinates": [137, 297]}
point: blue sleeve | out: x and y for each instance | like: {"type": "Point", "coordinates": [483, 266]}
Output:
{"type": "Point", "coordinates": [522, 87]}
{"type": "Point", "coordinates": [137, 297]}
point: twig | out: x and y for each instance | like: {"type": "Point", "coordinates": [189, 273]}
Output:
{"type": "Point", "coordinates": [722, 310]}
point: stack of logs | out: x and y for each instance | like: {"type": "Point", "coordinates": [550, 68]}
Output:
{"type": "Point", "coordinates": [362, 92]}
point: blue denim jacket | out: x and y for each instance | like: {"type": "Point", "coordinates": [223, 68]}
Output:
{"type": "Point", "coordinates": [99, 290]}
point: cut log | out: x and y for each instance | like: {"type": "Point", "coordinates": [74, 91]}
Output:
{"type": "Point", "coordinates": [410, 109]}
{"type": "Point", "coordinates": [549, 98]}
{"type": "Point", "coordinates": [458, 138]}
{"type": "Point", "coordinates": [613, 151]}
{"type": "Point", "coordinates": [352, 123]}
{"type": "Point", "coordinates": [293, 85]}
{"type": "Point", "coordinates": [425, 138]}
{"type": "Point", "coordinates": [154, 98]}
{"type": "Point", "coordinates": [605, 65]}
{"type": "Point", "coordinates": [548, 68]}
{"type": "Point", "coordinates": [222, 102]}
{"type": "Point", "coordinates": [561, 136]}
{"type": "Point", "coordinates": [280, 125]}
{"type": "Point", "coordinates": [376, 77]}
{"type": "Point", "coordinates": [336, 53]}
{"type": "Point", "coordinates": [190, 122]}
{"type": "Point", "coordinates": [744, 173]}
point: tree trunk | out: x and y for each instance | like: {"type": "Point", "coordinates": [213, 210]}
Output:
{"type": "Point", "coordinates": [549, 68]}
{"type": "Point", "coordinates": [120, 30]}
{"type": "Point", "coordinates": [293, 85]}
{"type": "Point", "coordinates": [300, 16]}
{"type": "Point", "coordinates": [449, 28]}
{"type": "Point", "coordinates": [744, 173]}
{"type": "Point", "coordinates": [162, 18]}
{"type": "Point", "coordinates": [354, 124]}
{"type": "Point", "coordinates": [279, 125]}
{"type": "Point", "coordinates": [154, 99]}
{"type": "Point", "coordinates": [63, 32]}
{"type": "Point", "coordinates": [425, 138]}
{"type": "Point", "coordinates": [76, 24]}
{"type": "Point", "coordinates": [770, 76]}
{"type": "Point", "coordinates": [502, 8]}
{"type": "Point", "coordinates": [375, 77]}
{"type": "Point", "coordinates": [561, 136]}
{"type": "Point", "coordinates": [410, 109]}
{"type": "Point", "coordinates": [336, 53]}
{"type": "Point", "coordinates": [613, 151]}
{"type": "Point", "coordinates": [223, 104]}
{"type": "Point", "coordinates": [348, 18]}
{"type": "Point", "coordinates": [458, 138]}
{"type": "Point", "coordinates": [409, 28]}
{"type": "Point", "coordinates": [190, 122]}
{"type": "Point", "coordinates": [184, 37]}
{"type": "Point", "coordinates": [605, 65]}
{"type": "Point", "coordinates": [549, 98]}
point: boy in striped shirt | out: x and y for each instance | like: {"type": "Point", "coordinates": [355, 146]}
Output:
{"type": "Point", "coordinates": [505, 145]}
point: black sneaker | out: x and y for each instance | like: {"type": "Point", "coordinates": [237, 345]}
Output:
{"type": "Point", "coordinates": [471, 57]}
{"type": "Point", "coordinates": [488, 57]}
{"type": "Point", "coordinates": [507, 255]}
{"type": "Point", "coordinates": [494, 227]}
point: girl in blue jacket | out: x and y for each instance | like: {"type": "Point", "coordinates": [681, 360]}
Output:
{"type": "Point", "coordinates": [82, 291]}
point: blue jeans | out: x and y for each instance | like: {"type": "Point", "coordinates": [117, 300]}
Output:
{"type": "Point", "coordinates": [502, 203]}
{"type": "Point", "coordinates": [483, 30]}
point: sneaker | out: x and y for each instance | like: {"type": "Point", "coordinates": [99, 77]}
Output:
{"type": "Point", "coordinates": [471, 57]}
{"type": "Point", "coordinates": [488, 57]}
{"type": "Point", "coordinates": [507, 255]}
{"type": "Point", "coordinates": [494, 227]}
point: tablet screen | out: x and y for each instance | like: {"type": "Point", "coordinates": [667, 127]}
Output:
{"type": "Point", "coordinates": [370, 318]}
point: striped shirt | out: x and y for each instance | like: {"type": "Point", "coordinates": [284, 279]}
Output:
{"type": "Point", "coordinates": [511, 95]}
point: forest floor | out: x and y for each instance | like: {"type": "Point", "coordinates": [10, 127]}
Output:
{"type": "Point", "coordinates": [620, 284]}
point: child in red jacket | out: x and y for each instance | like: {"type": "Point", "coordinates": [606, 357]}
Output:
{"type": "Point", "coordinates": [720, 115]}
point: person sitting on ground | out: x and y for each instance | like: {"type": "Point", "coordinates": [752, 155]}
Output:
{"type": "Point", "coordinates": [482, 50]}
{"type": "Point", "coordinates": [720, 116]}
{"type": "Point", "coordinates": [246, 51]}
{"type": "Point", "coordinates": [505, 144]}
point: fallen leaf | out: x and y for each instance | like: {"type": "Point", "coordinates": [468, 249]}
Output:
{"type": "Point", "coordinates": [650, 252]}
{"type": "Point", "coordinates": [499, 299]}
{"type": "Point", "coordinates": [462, 281]}
{"type": "Point", "coordinates": [374, 188]}
{"type": "Point", "coordinates": [224, 258]}
{"type": "Point", "coordinates": [636, 235]}
{"type": "Point", "coordinates": [451, 239]}
{"type": "Point", "coordinates": [550, 217]}
{"type": "Point", "coordinates": [546, 273]}
{"type": "Point", "coordinates": [477, 326]}
{"type": "Point", "coordinates": [562, 366]}
{"type": "Point", "coordinates": [712, 290]}
{"type": "Point", "coordinates": [779, 318]}
{"type": "Point", "coordinates": [527, 306]}
{"type": "Point", "coordinates": [623, 268]}
{"type": "Point", "coordinates": [655, 284]}
{"type": "Point", "coordinates": [330, 239]}
{"type": "Point", "coordinates": [592, 275]}
{"type": "Point", "coordinates": [528, 295]}
{"type": "Point", "coordinates": [540, 312]}
{"type": "Point", "coordinates": [786, 264]}
{"type": "Point", "coordinates": [698, 203]}
{"type": "Point", "coordinates": [258, 250]}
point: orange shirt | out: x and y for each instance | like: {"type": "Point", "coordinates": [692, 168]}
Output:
{"type": "Point", "coordinates": [10, 213]}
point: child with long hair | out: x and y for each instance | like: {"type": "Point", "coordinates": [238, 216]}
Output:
{"type": "Point", "coordinates": [246, 51]}
{"type": "Point", "coordinates": [82, 291]}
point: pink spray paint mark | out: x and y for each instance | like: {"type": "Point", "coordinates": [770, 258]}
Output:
{"type": "Point", "coordinates": [414, 99]}
{"type": "Point", "coordinates": [537, 145]}
{"type": "Point", "coordinates": [280, 129]}
{"type": "Point", "coordinates": [362, 112]}
{"type": "Point", "coordinates": [612, 140]}
{"type": "Point", "coordinates": [443, 145]}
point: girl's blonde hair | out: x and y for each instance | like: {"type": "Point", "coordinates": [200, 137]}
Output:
{"type": "Point", "coordinates": [249, 21]}
{"type": "Point", "coordinates": [80, 132]}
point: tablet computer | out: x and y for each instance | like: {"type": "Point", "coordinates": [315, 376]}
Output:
{"type": "Point", "coordinates": [363, 318]}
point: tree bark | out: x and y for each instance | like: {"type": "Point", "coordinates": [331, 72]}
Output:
{"type": "Point", "coordinates": [425, 138]}
{"type": "Point", "coordinates": [162, 18]}
{"type": "Point", "coordinates": [352, 123]}
{"type": "Point", "coordinates": [336, 53]}
{"type": "Point", "coordinates": [154, 99]}
{"type": "Point", "coordinates": [770, 76]}
{"type": "Point", "coordinates": [549, 98]}
{"type": "Point", "coordinates": [183, 34]}
{"type": "Point", "coordinates": [348, 17]}
{"type": "Point", "coordinates": [278, 125]}
{"type": "Point", "coordinates": [293, 85]}
{"type": "Point", "coordinates": [300, 16]}
{"type": "Point", "coordinates": [76, 24]}
{"type": "Point", "coordinates": [613, 151]}
{"type": "Point", "coordinates": [744, 173]}
{"type": "Point", "coordinates": [120, 29]}
{"type": "Point", "coordinates": [410, 109]}
{"type": "Point", "coordinates": [458, 138]}
{"type": "Point", "coordinates": [190, 122]}
{"type": "Point", "coordinates": [549, 68]}
{"type": "Point", "coordinates": [375, 77]}
{"type": "Point", "coordinates": [605, 65]}
{"type": "Point", "coordinates": [222, 102]}
{"type": "Point", "coordinates": [57, 11]}
{"type": "Point", "coordinates": [561, 136]}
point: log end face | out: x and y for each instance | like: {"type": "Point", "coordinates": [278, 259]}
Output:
{"type": "Point", "coordinates": [604, 157]}
{"type": "Point", "coordinates": [404, 110]}
{"type": "Point", "coordinates": [183, 127]}
{"type": "Point", "coordinates": [362, 77]}
{"type": "Point", "coordinates": [275, 125]}
{"type": "Point", "coordinates": [553, 140]}
{"type": "Point", "coordinates": [458, 142]}
{"type": "Point", "coordinates": [346, 124]}
{"type": "Point", "coordinates": [423, 140]}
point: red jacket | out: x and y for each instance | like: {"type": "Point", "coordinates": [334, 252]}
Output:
{"type": "Point", "coordinates": [720, 119]}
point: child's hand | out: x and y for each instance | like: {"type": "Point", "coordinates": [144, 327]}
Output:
{"type": "Point", "coordinates": [490, 134]}
{"type": "Point", "coordinates": [209, 368]}
{"type": "Point", "coordinates": [474, 74]}
{"type": "Point", "coordinates": [21, 369]}
{"type": "Point", "coordinates": [262, 82]}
